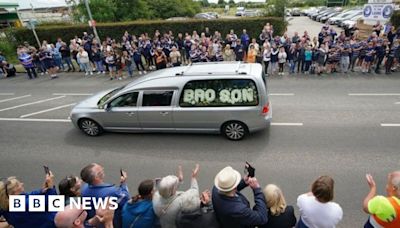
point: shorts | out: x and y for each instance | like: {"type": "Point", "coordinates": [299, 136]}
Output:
{"type": "Point", "coordinates": [369, 59]}
{"type": "Point", "coordinates": [49, 63]}
{"type": "Point", "coordinates": [112, 67]}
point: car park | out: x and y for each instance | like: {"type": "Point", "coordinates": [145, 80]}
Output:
{"type": "Point", "coordinates": [325, 18]}
{"type": "Point", "coordinates": [340, 21]}
{"type": "Point", "coordinates": [252, 13]}
{"type": "Point", "coordinates": [342, 15]}
{"type": "Point", "coordinates": [349, 24]}
{"type": "Point", "coordinates": [230, 98]}
{"type": "Point", "coordinates": [318, 18]}
{"type": "Point", "coordinates": [295, 12]}
{"type": "Point", "coordinates": [239, 11]}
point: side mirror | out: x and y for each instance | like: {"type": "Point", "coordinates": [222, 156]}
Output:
{"type": "Point", "coordinates": [107, 107]}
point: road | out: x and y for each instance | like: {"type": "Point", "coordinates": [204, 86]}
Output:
{"type": "Point", "coordinates": [334, 128]}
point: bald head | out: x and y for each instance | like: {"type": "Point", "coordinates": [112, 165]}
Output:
{"type": "Point", "coordinates": [393, 184]}
{"type": "Point", "coordinates": [70, 218]}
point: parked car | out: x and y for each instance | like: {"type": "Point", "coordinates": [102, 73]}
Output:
{"type": "Point", "coordinates": [318, 18]}
{"type": "Point", "coordinates": [344, 14]}
{"type": "Point", "coordinates": [204, 16]}
{"type": "Point", "coordinates": [315, 15]}
{"type": "Point", "coordinates": [295, 12]}
{"type": "Point", "coordinates": [252, 13]}
{"type": "Point", "coordinates": [229, 98]}
{"type": "Point", "coordinates": [213, 14]}
{"type": "Point", "coordinates": [239, 11]}
{"type": "Point", "coordinates": [309, 11]}
{"type": "Point", "coordinates": [325, 18]}
{"type": "Point", "coordinates": [349, 24]}
{"type": "Point", "coordinates": [340, 21]}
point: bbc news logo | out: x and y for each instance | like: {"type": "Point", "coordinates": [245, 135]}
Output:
{"type": "Point", "coordinates": [56, 203]}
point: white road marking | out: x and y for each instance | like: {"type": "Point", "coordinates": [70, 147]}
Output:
{"type": "Point", "coordinates": [47, 110]}
{"type": "Point", "coordinates": [68, 120]}
{"type": "Point", "coordinates": [72, 94]}
{"type": "Point", "coordinates": [6, 94]}
{"type": "Point", "coordinates": [281, 94]}
{"type": "Point", "coordinates": [32, 103]}
{"type": "Point", "coordinates": [36, 120]}
{"type": "Point", "coordinates": [14, 98]}
{"type": "Point", "coordinates": [286, 124]}
{"type": "Point", "coordinates": [397, 103]}
{"type": "Point", "coordinates": [374, 94]}
{"type": "Point", "coordinates": [389, 125]}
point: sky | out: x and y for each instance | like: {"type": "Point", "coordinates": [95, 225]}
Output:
{"type": "Point", "coordinates": [23, 4]}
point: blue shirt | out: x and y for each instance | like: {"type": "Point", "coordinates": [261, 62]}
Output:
{"type": "Point", "coordinates": [235, 212]}
{"type": "Point", "coordinates": [245, 39]}
{"type": "Point", "coordinates": [139, 215]}
{"type": "Point", "coordinates": [26, 60]}
{"type": "Point", "coordinates": [107, 190]}
{"type": "Point", "coordinates": [31, 219]}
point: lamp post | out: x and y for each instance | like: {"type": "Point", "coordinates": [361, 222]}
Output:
{"type": "Point", "coordinates": [91, 20]}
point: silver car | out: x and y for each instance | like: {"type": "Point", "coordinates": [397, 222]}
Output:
{"type": "Point", "coordinates": [226, 97]}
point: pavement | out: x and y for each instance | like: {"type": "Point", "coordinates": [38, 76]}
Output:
{"type": "Point", "coordinates": [339, 125]}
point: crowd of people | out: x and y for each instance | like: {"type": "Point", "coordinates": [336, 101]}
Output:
{"type": "Point", "coordinates": [328, 52]}
{"type": "Point", "coordinates": [160, 203]}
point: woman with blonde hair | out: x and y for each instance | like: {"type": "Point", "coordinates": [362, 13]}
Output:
{"type": "Point", "coordinates": [279, 214]}
{"type": "Point", "coordinates": [12, 186]}
{"type": "Point", "coordinates": [228, 54]}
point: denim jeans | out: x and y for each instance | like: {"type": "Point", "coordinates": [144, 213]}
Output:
{"type": "Point", "coordinates": [68, 61]}
{"type": "Point", "coordinates": [307, 67]}
{"type": "Point", "coordinates": [86, 67]}
{"type": "Point", "coordinates": [58, 63]}
{"type": "Point", "coordinates": [292, 65]}
{"type": "Point", "coordinates": [344, 64]}
{"type": "Point", "coordinates": [99, 66]}
{"type": "Point", "coordinates": [130, 69]}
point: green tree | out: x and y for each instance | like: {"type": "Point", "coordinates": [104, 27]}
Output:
{"type": "Point", "coordinates": [132, 10]}
{"type": "Point", "coordinates": [276, 8]}
{"type": "Point", "coordinates": [174, 8]}
{"type": "Point", "coordinates": [221, 2]}
{"type": "Point", "coordinates": [205, 3]}
{"type": "Point", "coordinates": [102, 10]}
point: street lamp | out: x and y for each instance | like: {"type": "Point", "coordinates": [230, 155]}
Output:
{"type": "Point", "coordinates": [91, 20]}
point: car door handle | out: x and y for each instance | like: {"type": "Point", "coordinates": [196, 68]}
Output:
{"type": "Point", "coordinates": [130, 113]}
{"type": "Point", "coordinates": [164, 113]}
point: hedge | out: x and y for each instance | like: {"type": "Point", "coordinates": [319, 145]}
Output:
{"type": "Point", "coordinates": [116, 30]}
{"type": "Point", "coordinates": [395, 19]}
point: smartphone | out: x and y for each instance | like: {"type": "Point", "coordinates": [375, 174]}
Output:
{"type": "Point", "coordinates": [249, 170]}
{"type": "Point", "coordinates": [121, 172]}
{"type": "Point", "coordinates": [46, 170]}
{"type": "Point", "coordinates": [157, 182]}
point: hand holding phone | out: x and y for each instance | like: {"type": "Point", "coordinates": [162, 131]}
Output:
{"type": "Point", "coordinates": [46, 170]}
{"type": "Point", "coordinates": [124, 176]}
{"type": "Point", "coordinates": [249, 170]}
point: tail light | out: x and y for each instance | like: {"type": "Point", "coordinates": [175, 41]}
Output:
{"type": "Point", "coordinates": [265, 109]}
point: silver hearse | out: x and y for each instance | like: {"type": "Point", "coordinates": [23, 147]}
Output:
{"type": "Point", "coordinates": [225, 97]}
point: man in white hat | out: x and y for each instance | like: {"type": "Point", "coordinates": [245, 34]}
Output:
{"type": "Point", "coordinates": [231, 207]}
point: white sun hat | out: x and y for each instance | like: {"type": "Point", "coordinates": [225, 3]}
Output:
{"type": "Point", "coordinates": [227, 179]}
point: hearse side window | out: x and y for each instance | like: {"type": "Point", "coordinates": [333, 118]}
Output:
{"type": "Point", "coordinates": [125, 100]}
{"type": "Point", "coordinates": [219, 92]}
{"type": "Point", "coordinates": [157, 98]}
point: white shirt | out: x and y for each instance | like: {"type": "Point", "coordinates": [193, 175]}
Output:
{"type": "Point", "coordinates": [315, 214]}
